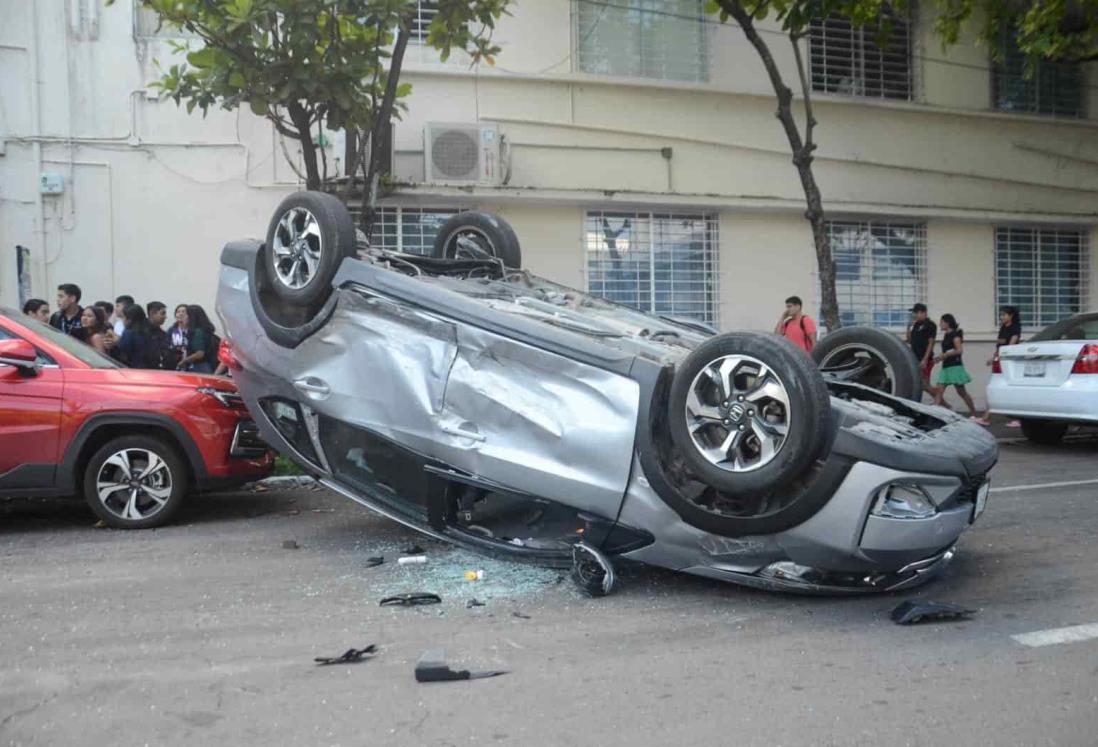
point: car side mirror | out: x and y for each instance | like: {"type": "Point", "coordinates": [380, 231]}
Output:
{"type": "Point", "coordinates": [20, 354]}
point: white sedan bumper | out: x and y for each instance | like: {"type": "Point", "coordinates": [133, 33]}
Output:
{"type": "Point", "coordinates": [1075, 400]}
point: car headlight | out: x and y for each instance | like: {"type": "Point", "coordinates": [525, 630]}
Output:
{"type": "Point", "coordinates": [902, 501]}
{"type": "Point", "coordinates": [227, 398]}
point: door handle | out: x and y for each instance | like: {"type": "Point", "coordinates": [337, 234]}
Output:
{"type": "Point", "coordinates": [313, 387]}
{"type": "Point", "coordinates": [465, 430]}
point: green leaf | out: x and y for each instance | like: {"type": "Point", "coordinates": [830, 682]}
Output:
{"type": "Point", "coordinates": [203, 58]}
{"type": "Point", "coordinates": [259, 107]}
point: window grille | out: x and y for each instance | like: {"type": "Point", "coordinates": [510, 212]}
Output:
{"type": "Point", "coordinates": [664, 39]}
{"type": "Point", "coordinates": [409, 230]}
{"type": "Point", "coordinates": [1054, 88]}
{"type": "Point", "coordinates": [880, 271]}
{"type": "Point", "coordinates": [426, 10]}
{"type": "Point", "coordinates": [1042, 271]}
{"type": "Point", "coordinates": [856, 61]}
{"type": "Point", "coordinates": [661, 263]}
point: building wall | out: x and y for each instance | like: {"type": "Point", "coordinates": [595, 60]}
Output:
{"type": "Point", "coordinates": [152, 193]}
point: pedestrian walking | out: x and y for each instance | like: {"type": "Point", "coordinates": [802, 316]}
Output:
{"type": "Point", "coordinates": [953, 373]}
{"type": "Point", "coordinates": [120, 305]}
{"type": "Point", "coordinates": [796, 326]}
{"type": "Point", "coordinates": [67, 316]}
{"type": "Point", "coordinates": [1010, 333]}
{"type": "Point", "coordinates": [37, 309]}
{"type": "Point", "coordinates": [921, 336]}
{"type": "Point", "coordinates": [134, 346]}
{"type": "Point", "coordinates": [201, 343]}
{"type": "Point", "coordinates": [94, 328]}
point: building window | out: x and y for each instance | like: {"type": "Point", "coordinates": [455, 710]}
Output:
{"type": "Point", "coordinates": [880, 270]}
{"type": "Point", "coordinates": [662, 263]}
{"type": "Point", "coordinates": [1052, 88]}
{"type": "Point", "coordinates": [664, 39]}
{"type": "Point", "coordinates": [426, 10]}
{"type": "Point", "coordinates": [409, 230]}
{"type": "Point", "coordinates": [1042, 271]}
{"type": "Point", "coordinates": [859, 61]}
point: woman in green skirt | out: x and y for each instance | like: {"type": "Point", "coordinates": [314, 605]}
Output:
{"type": "Point", "coordinates": [953, 371]}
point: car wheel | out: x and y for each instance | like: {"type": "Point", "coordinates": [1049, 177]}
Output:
{"type": "Point", "coordinates": [309, 235]}
{"type": "Point", "coordinates": [475, 235]}
{"type": "Point", "coordinates": [135, 482]}
{"type": "Point", "coordinates": [749, 412]}
{"type": "Point", "coordinates": [1045, 432]}
{"type": "Point", "coordinates": [870, 357]}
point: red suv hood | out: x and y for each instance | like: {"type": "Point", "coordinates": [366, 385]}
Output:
{"type": "Point", "coordinates": [173, 378]}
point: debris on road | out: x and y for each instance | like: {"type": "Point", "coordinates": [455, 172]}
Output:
{"type": "Point", "coordinates": [413, 560]}
{"type": "Point", "coordinates": [591, 570]}
{"type": "Point", "coordinates": [474, 575]}
{"type": "Point", "coordinates": [432, 667]}
{"type": "Point", "coordinates": [290, 545]}
{"type": "Point", "coordinates": [350, 656]}
{"type": "Point", "coordinates": [414, 550]}
{"type": "Point", "coordinates": [521, 615]}
{"type": "Point", "coordinates": [413, 599]}
{"type": "Point", "coordinates": [910, 612]}
{"type": "Point", "coordinates": [474, 602]}
{"type": "Point", "coordinates": [375, 561]}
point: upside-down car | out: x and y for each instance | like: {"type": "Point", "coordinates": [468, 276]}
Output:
{"type": "Point", "coordinates": [465, 397]}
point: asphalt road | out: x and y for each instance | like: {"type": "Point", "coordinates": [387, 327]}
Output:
{"type": "Point", "coordinates": [204, 633]}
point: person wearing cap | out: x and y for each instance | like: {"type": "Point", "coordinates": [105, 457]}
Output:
{"type": "Point", "coordinates": [920, 336]}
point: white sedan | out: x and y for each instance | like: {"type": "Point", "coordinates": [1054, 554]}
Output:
{"type": "Point", "coordinates": [1049, 382]}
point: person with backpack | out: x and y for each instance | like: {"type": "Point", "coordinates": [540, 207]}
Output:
{"type": "Point", "coordinates": [796, 326]}
{"type": "Point", "coordinates": [202, 342]}
{"type": "Point", "coordinates": [167, 359]}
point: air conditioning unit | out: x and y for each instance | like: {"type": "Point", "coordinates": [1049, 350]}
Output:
{"type": "Point", "coordinates": [462, 153]}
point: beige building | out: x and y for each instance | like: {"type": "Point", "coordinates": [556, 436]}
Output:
{"type": "Point", "coordinates": [631, 143]}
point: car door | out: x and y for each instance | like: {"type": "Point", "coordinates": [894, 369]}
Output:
{"type": "Point", "coordinates": [30, 420]}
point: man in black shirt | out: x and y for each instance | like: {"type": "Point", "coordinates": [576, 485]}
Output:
{"type": "Point", "coordinates": [67, 318]}
{"type": "Point", "coordinates": [920, 336]}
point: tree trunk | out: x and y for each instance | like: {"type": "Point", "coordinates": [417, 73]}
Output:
{"type": "Point", "coordinates": [802, 159]}
{"type": "Point", "coordinates": [300, 117]}
{"type": "Point", "coordinates": [381, 118]}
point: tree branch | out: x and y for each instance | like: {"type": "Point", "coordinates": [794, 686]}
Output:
{"type": "Point", "coordinates": [806, 94]}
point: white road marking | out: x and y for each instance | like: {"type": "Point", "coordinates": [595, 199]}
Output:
{"type": "Point", "coordinates": [1042, 486]}
{"type": "Point", "coordinates": [1052, 636]}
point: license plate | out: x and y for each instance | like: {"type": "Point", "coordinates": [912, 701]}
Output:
{"type": "Point", "coordinates": [1033, 370]}
{"type": "Point", "coordinates": [981, 500]}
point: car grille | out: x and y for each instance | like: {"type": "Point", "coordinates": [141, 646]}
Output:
{"type": "Point", "coordinates": [247, 442]}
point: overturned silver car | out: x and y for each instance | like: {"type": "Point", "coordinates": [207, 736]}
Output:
{"type": "Point", "coordinates": [480, 404]}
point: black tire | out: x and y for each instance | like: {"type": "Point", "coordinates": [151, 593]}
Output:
{"type": "Point", "coordinates": [1044, 432]}
{"type": "Point", "coordinates": [114, 509]}
{"type": "Point", "coordinates": [475, 235]}
{"type": "Point", "coordinates": [871, 357]}
{"type": "Point", "coordinates": [285, 257]}
{"type": "Point", "coordinates": [806, 417]}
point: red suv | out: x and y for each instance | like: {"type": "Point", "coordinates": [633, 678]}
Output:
{"type": "Point", "coordinates": [132, 442]}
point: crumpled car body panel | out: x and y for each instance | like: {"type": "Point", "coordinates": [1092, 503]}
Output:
{"type": "Point", "coordinates": [420, 396]}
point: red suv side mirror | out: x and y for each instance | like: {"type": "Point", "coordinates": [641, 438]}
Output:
{"type": "Point", "coordinates": [19, 353]}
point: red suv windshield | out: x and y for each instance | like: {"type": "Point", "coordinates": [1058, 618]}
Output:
{"type": "Point", "coordinates": [84, 353]}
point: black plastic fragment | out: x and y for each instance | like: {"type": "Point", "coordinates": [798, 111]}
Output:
{"type": "Point", "coordinates": [290, 545]}
{"type": "Point", "coordinates": [350, 656]}
{"type": "Point", "coordinates": [474, 602]}
{"type": "Point", "coordinates": [591, 570]}
{"type": "Point", "coordinates": [375, 561]}
{"type": "Point", "coordinates": [432, 667]}
{"type": "Point", "coordinates": [411, 600]}
{"type": "Point", "coordinates": [521, 615]}
{"type": "Point", "coordinates": [910, 612]}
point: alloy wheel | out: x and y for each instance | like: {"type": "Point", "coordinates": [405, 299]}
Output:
{"type": "Point", "coordinates": [134, 484]}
